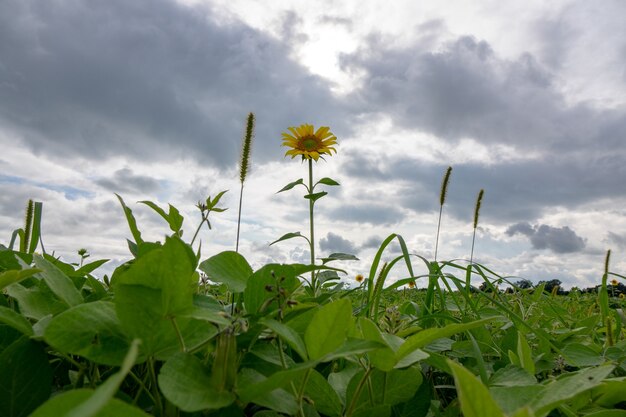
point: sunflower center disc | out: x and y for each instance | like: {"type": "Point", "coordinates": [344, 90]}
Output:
{"type": "Point", "coordinates": [309, 143]}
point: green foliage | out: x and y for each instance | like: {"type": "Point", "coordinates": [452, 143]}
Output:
{"type": "Point", "coordinates": [175, 334]}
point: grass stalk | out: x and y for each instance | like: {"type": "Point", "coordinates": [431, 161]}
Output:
{"type": "Point", "coordinates": [244, 167]}
{"type": "Point", "coordinates": [442, 201]}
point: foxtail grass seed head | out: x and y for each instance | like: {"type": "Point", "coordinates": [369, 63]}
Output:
{"type": "Point", "coordinates": [28, 223]}
{"type": "Point", "coordinates": [244, 165]}
{"type": "Point", "coordinates": [479, 201]}
{"type": "Point", "coordinates": [444, 186]}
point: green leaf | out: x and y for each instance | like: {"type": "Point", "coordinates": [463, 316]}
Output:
{"type": "Point", "coordinates": [171, 269]}
{"type": "Point", "coordinates": [256, 388]}
{"type": "Point", "coordinates": [339, 257]}
{"type": "Point", "coordinates": [141, 316]}
{"type": "Point", "coordinates": [387, 388]}
{"type": "Point", "coordinates": [568, 387]}
{"type": "Point", "coordinates": [289, 236]}
{"type": "Point", "coordinates": [288, 334]}
{"type": "Point", "coordinates": [512, 398]}
{"type": "Point", "coordinates": [15, 320]}
{"type": "Point", "coordinates": [315, 196]}
{"type": "Point", "coordinates": [473, 395]}
{"type": "Point", "coordinates": [327, 181]}
{"type": "Point", "coordinates": [11, 277]}
{"type": "Point", "coordinates": [211, 203]}
{"type": "Point", "coordinates": [580, 355]}
{"type": "Point", "coordinates": [256, 293]}
{"type": "Point", "coordinates": [60, 284]}
{"type": "Point", "coordinates": [90, 267]}
{"type": "Point", "coordinates": [291, 185]}
{"type": "Point", "coordinates": [91, 330]}
{"type": "Point", "coordinates": [427, 336]}
{"type": "Point", "coordinates": [36, 302]}
{"type": "Point", "coordinates": [186, 383]}
{"type": "Point", "coordinates": [328, 328]}
{"type": "Point", "coordinates": [229, 268]}
{"type": "Point", "coordinates": [173, 218]}
{"type": "Point", "coordinates": [62, 405]}
{"type": "Point", "coordinates": [350, 348]}
{"type": "Point", "coordinates": [25, 378]}
{"type": "Point", "coordinates": [323, 395]}
{"type": "Point", "coordinates": [524, 353]}
{"type": "Point", "coordinates": [511, 376]}
{"type": "Point", "coordinates": [132, 223]}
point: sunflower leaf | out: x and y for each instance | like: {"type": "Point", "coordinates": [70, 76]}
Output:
{"type": "Point", "coordinates": [315, 196]}
{"type": "Point", "coordinates": [289, 236]}
{"type": "Point", "coordinates": [327, 181]}
{"type": "Point", "coordinates": [291, 185]}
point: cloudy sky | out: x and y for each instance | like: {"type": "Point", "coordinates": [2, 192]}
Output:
{"type": "Point", "coordinates": [148, 99]}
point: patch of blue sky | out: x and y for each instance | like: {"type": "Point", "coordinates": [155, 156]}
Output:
{"type": "Point", "coordinates": [70, 193]}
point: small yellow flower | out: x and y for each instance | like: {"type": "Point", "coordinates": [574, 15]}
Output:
{"type": "Point", "coordinates": [359, 278]}
{"type": "Point", "coordinates": [309, 143]}
{"type": "Point", "coordinates": [412, 284]}
{"type": "Point", "coordinates": [614, 282]}
{"type": "Point", "coordinates": [622, 296]}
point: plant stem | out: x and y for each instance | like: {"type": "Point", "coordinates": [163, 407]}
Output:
{"type": "Point", "coordinates": [357, 393]}
{"type": "Point", "coordinates": [438, 228]}
{"type": "Point", "coordinates": [239, 218]}
{"type": "Point", "coordinates": [180, 336]}
{"type": "Point", "coordinates": [312, 240]}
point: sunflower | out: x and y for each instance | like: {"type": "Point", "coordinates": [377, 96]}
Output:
{"type": "Point", "coordinates": [359, 278]}
{"type": "Point", "coordinates": [305, 141]}
{"type": "Point", "coordinates": [412, 284]}
{"type": "Point", "coordinates": [614, 282]}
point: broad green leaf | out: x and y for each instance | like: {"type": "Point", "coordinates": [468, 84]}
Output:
{"type": "Point", "coordinates": [262, 286]}
{"type": "Point", "coordinates": [525, 412]}
{"type": "Point", "coordinates": [15, 320]}
{"type": "Point", "coordinates": [607, 413]}
{"type": "Point", "coordinates": [141, 316]}
{"type": "Point", "coordinates": [328, 328]}
{"type": "Point", "coordinates": [315, 196]}
{"type": "Point", "coordinates": [375, 411]}
{"type": "Point", "coordinates": [60, 284]}
{"type": "Point", "coordinates": [132, 223]}
{"type": "Point", "coordinates": [25, 378]}
{"type": "Point", "coordinates": [287, 236]}
{"type": "Point", "coordinates": [171, 269]}
{"type": "Point", "coordinates": [323, 395]}
{"type": "Point", "coordinates": [340, 381]}
{"type": "Point", "coordinates": [512, 398]}
{"type": "Point", "coordinates": [256, 388]}
{"type": "Point", "coordinates": [229, 268]}
{"type": "Point", "coordinates": [288, 334]}
{"type": "Point", "coordinates": [64, 404]}
{"type": "Point", "coordinates": [36, 302]}
{"type": "Point", "coordinates": [387, 388]}
{"type": "Point", "coordinates": [511, 376]}
{"type": "Point", "coordinates": [611, 392]}
{"type": "Point", "coordinates": [327, 181]}
{"type": "Point", "coordinates": [339, 257]}
{"type": "Point", "coordinates": [568, 387]}
{"type": "Point", "coordinates": [427, 336]}
{"type": "Point", "coordinates": [580, 355]}
{"type": "Point", "coordinates": [11, 277]}
{"type": "Point", "coordinates": [350, 348]}
{"type": "Point", "coordinates": [291, 185]}
{"type": "Point", "coordinates": [91, 330]}
{"type": "Point", "coordinates": [186, 383]}
{"type": "Point", "coordinates": [524, 353]}
{"type": "Point", "coordinates": [473, 395]}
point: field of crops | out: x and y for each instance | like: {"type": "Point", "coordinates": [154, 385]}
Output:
{"type": "Point", "coordinates": [171, 333]}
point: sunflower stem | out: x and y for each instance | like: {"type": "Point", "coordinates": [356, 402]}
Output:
{"type": "Point", "coordinates": [312, 240]}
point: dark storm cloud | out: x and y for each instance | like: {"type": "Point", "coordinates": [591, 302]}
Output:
{"type": "Point", "coordinates": [556, 239]}
{"type": "Point", "coordinates": [124, 180]}
{"type": "Point", "coordinates": [466, 90]}
{"type": "Point", "coordinates": [334, 243]}
{"type": "Point", "coordinates": [149, 78]}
